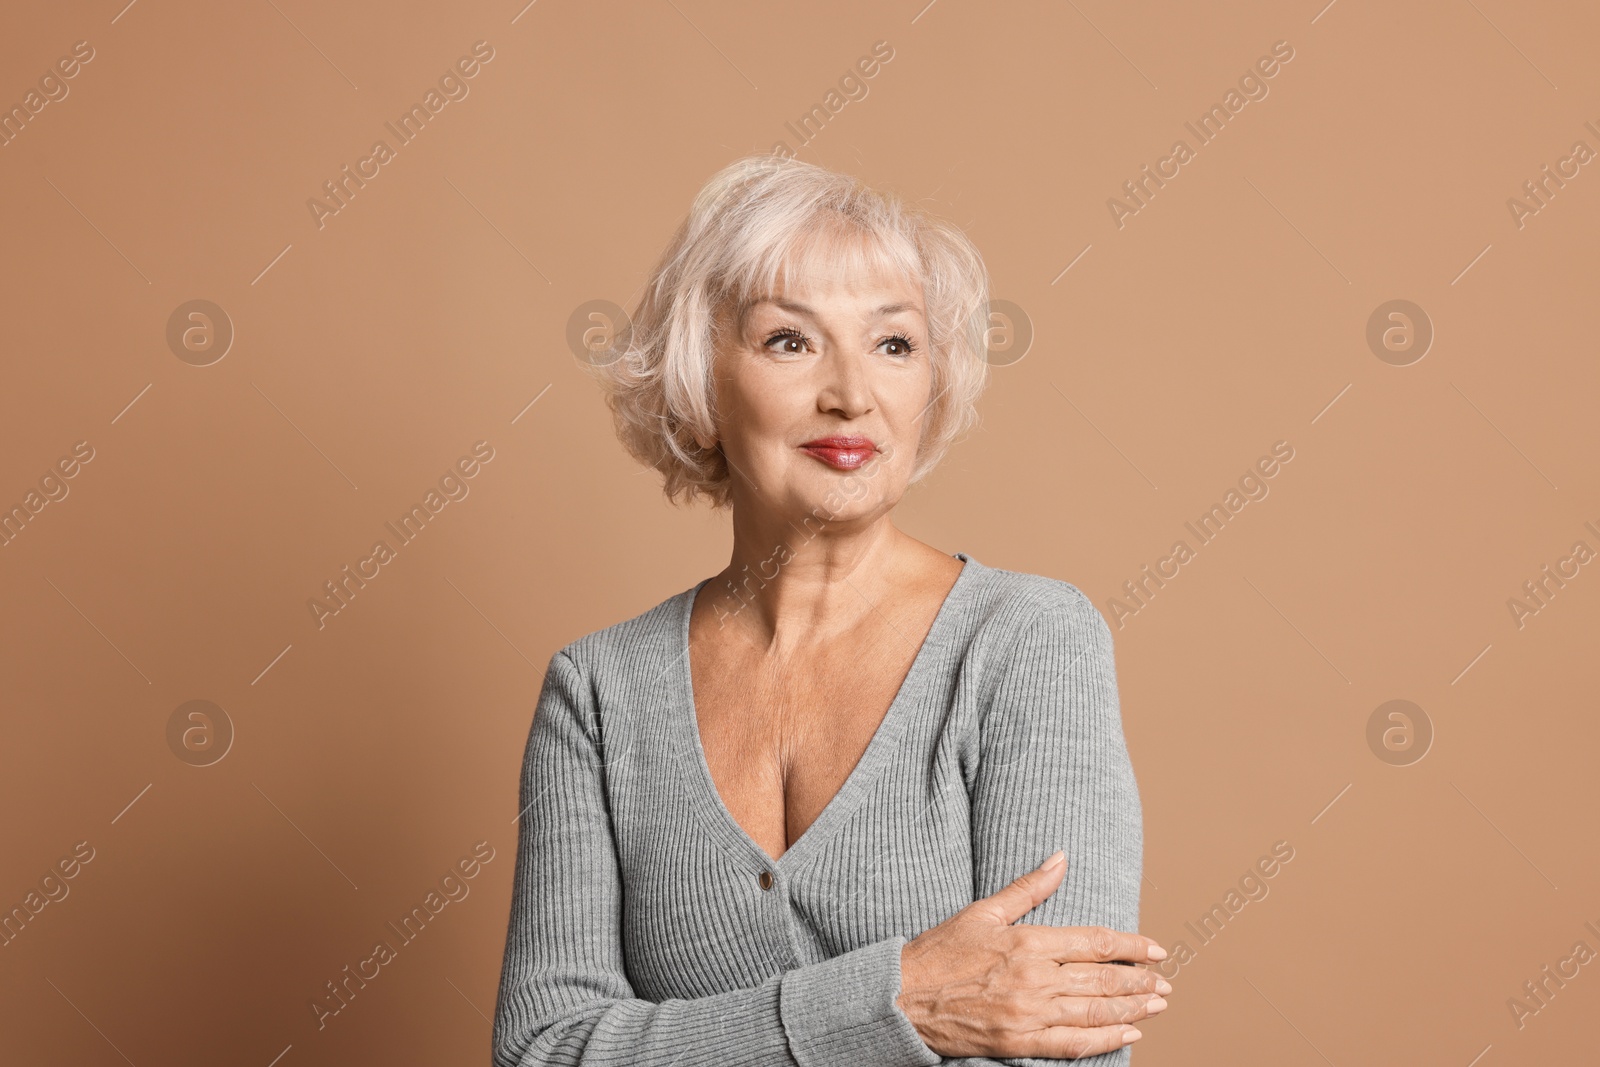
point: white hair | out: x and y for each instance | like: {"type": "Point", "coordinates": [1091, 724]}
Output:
{"type": "Point", "coordinates": [756, 222]}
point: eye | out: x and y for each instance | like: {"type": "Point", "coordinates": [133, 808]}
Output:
{"type": "Point", "coordinates": [905, 344]}
{"type": "Point", "coordinates": [789, 336]}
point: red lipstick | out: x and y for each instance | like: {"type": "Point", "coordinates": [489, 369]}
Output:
{"type": "Point", "coordinates": [844, 453]}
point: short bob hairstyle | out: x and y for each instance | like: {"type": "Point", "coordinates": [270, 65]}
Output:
{"type": "Point", "coordinates": [758, 221]}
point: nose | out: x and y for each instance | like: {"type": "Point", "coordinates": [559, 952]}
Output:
{"type": "Point", "coordinates": [844, 389]}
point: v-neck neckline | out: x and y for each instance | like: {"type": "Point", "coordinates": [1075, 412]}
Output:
{"type": "Point", "coordinates": [879, 748]}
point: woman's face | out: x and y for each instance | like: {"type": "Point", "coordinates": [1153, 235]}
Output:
{"type": "Point", "coordinates": [822, 391]}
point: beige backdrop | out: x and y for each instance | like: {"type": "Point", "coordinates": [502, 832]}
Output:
{"type": "Point", "coordinates": [234, 856]}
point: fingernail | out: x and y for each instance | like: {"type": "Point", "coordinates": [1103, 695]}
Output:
{"type": "Point", "coordinates": [1157, 952]}
{"type": "Point", "coordinates": [1155, 1004]}
{"type": "Point", "coordinates": [1131, 1036]}
{"type": "Point", "coordinates": [1054, 861]}
{"type": "Point", "coordinates": [1163, 986]}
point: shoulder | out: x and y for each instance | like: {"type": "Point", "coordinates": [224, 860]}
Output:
{"type": "Point", "coordinates": [644, 642]}
{"type": "Point", "coordinates": [1043, 652]}
{"type": "Point", "coordinates": [607, 679]}
{"type": "Point", "coordinates": [1027, 608]}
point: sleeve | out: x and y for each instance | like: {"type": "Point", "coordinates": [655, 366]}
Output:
{"type": "Point", "coordinates": [1053, 772]}
{"type": "Point", "coordinates": [564, 996]}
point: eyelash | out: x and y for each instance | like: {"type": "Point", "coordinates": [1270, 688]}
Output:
{"type": "Point", "coordinates": [789, 331]}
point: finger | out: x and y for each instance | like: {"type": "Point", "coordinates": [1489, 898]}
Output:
{"type": "Point", "coordinates": [1022, 895]}
{"type": "Point", "coordinates": [1099, 944]}
{"type": "Point", "coordinates": [1072, 1042]}
{"type": "Point", "coordinates": [1107, 980]}
{"type": "Point", "coordinates": [1090, 1012]}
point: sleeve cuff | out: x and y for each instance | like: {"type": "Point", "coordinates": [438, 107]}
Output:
{"type": "Point", "coordinates": [842, 1012]}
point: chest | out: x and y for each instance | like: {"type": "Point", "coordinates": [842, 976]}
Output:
{"type": "Point", "coordinates": [782, 736]}
{"type": "Point", "coordinates": [888, 854]}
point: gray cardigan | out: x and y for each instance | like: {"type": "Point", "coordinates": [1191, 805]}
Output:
{"type": "Point", "coordinates": [648, 928]}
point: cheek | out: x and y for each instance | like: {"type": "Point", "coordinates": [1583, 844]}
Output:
{"type": "Point", "coordinates": [756, 415]}
{"type": "Point", "coordinates": [911, 397]}
{"type": "Point", "coordinates": [775, 396]}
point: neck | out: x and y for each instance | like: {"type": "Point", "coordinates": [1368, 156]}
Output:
{"type": "Point", "coordinates": [788, 583]}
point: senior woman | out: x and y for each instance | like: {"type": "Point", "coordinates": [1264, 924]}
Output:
{"type": "Point", "coordinates": [852, 802]}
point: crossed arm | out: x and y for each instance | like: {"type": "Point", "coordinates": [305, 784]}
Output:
{"type": "Point", "coordinates": [1053, 772]}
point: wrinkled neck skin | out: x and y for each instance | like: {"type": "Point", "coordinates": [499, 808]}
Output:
{"type": "Point", "coordinates": [801, 574]}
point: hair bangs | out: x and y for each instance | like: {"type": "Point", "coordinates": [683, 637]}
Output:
{"type": "Point", "coordinates": [823, 243]}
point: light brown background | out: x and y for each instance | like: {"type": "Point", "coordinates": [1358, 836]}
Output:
{"type": "Point", "coordinates": [1227, 315]}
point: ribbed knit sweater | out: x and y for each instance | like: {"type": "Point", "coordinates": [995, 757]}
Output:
{"type": "Point", "coordinates": [648, 928]}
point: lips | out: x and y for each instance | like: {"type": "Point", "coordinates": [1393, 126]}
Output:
{"type": "Point", "coordinates": [841, 452]}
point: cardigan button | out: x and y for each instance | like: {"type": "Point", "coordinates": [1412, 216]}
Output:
{"type": "Point", "coordinates": [764, 879]}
